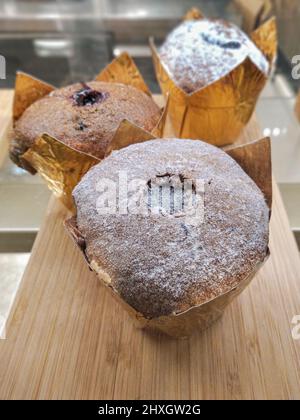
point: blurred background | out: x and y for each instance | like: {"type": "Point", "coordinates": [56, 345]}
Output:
{"type": "Point", "coordinates": [64, 41]}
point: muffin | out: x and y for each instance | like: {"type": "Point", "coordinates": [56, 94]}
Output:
{"type": "Point", "coordinates": [213, 75]}
{"type": "Point", "coordinates": [160, 258]}
{"type": "Point", "coordinates": [84, 116]}
{"type": "Point", "coordinates": [199, 52]}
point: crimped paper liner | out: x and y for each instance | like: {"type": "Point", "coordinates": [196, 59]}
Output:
{"type": "Point", "coordinates": [28, 90]}
{"type": "Point", "coordinates": [255, 160]}
{"type": "Point", "coordinates": [180, 325]}
{"type": "Point", "coordinates": [250, 157]}
{"type": "Point", "coordinates": [218, 112]}
{"type": "Point", "coordinates": [61, 166]}
{"type": "Point", "coordinates": [195, 319]}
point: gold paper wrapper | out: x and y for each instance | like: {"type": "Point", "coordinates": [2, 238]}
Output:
{"type": "Point", "coordinates": [193, 14]}
{"type": "Point", "coordinates": [126, 134]}
{"type": "Point", "coordinates": [218, 113]}
{"type": "Point", "coordinates": [28, 89]}
{"type": "Point", "coordinates": [123, 70]}
{"type": "Point", "coordinates": [197, 318]}
{"type": "Point", "coordinates": [255, 159]}
{"type": "Point", "coordinates": [61, 166]}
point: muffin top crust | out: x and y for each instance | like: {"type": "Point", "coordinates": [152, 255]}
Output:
{"type": "Point", "coordinates": [85, 116]}
{"type": "Point", "coordinates": [199, 52]}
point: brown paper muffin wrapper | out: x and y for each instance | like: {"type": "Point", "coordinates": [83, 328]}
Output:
{"type": "Point", "coordinates": [61, 166]}
{"type": "Point", "coordinates": [255, 159]}
{"type": "Point", "coordinates": [218, 112]}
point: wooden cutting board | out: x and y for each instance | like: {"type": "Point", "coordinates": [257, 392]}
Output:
{"type": "Point", "coordinates": [67, 337]}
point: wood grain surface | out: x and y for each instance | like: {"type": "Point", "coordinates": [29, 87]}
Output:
{"type": "Point", "coordinates": [68, 339]}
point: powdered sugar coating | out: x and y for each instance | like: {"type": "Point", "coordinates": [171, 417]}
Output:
{"type": "Point", "coordinates": [158, 264]}
{"type": "Point", "coordinates": [197, 53]}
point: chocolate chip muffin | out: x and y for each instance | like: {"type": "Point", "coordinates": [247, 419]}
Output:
{"type": "Point", "coordinates": [84, 116]}
{"type": "Point", "coordinates": [159, 259]}
{"type": "Point", "coordinates": [200, 52]}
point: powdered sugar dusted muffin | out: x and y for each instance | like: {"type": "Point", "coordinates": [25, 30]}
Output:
{"type": "Point", "coordinates": [160, 262]}
{"type": "Point", "coordinates": [199, 52]}
{"type": "Point", "coordinates": [84, 116]}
